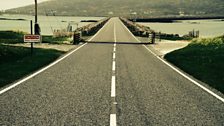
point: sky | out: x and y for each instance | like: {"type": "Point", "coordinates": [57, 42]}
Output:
{"type": "Point", "coordinates": [8, 4]}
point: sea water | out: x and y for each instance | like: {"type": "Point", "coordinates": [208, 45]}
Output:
{"type": "Point", "coordinates": [47, 23]}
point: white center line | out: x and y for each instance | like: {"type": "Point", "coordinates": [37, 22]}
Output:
{"type": "Point", "coordinates": [113, 66]}
{"type": "Point", "coordinates": [113, 120]}
{"type": "Point", "coordinates": [115, 36]}
{"type": "Point", "coordinates": [113, 116]}
{"type": "Point", "coordinates": [113, 87]}
{"type": "Point", "coordinates": [114, 56]}
{"type": "Point", "coordinates": [114, 49]}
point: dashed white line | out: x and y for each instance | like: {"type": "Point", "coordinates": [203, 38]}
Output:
{"type": "Point", "coordinates": [113, 86]}
{"type": "Point", "coordinates": [178, 71]}
{"type": "Point", "coordinates": [114, 49]}
{"type": "Point", "coordinates": [113, 120]}
{"type": "Point", "coordinates": [114, 56]}
{"type": "Point", "coordinates": [113, 117]}
{"type": "Point", "coordinates": [115, 36]}
{"type": "Point", "coordinates": [113, 66]}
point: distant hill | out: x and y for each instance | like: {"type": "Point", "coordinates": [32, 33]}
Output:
{"type": "Point", "coordinates": [129, 8]}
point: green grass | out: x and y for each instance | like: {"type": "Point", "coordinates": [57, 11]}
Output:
{"type": "Point", "coordinates": [11, 37]}
{"type": "Point", "coordinates": [17, 62]}
{"type": "Point", "coordinates": [204, 59]}
{"type": "Point", "coordinates": [54, 40]}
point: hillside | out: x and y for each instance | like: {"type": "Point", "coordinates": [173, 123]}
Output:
{"type": "Point", "coordinates": [141, 8]}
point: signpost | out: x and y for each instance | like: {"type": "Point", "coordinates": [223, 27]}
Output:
{"type": "Point", "coordinates": [32, 39]}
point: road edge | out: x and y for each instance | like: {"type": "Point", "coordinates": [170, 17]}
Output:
{"type": "Point", "coordinates": [15, 84]}
{"type": "Point", "coordinates": [29, 76]}
{"type": "Point", "coordinates": [178, 71]}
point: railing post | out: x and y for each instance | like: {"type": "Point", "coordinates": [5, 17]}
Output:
{"type": "Point", "coordinates": [76, 38]}
{"type": "Point", "coordinates": [153, 37]}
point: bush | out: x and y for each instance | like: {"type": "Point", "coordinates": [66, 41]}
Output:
{"type": "Point", "coordinates": [54, 40]}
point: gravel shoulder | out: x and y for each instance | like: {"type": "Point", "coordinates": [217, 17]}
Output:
{"type": "Point", "coordinates": [163, 47]}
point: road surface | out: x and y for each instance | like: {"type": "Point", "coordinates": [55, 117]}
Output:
{"type": "Point", "coordinates": [112, 80]}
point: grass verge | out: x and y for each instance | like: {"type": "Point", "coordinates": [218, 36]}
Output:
{"type": "Point", "coordinates": [203, 59]}
{"type": "Point", "coordinates": [54, 40]}
{"type": "Point", "coordinates": [13, 37]}
{"type": "Point", "coordinates": [16, 62]}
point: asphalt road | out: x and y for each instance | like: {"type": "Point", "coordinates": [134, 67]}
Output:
{"type": "Point", "coordinates": [78, 90]}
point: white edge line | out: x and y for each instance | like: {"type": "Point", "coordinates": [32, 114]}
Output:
{"type": "Point", "coordinates": [99, 31]}
{"type": "Point", "coordinates": [113, 94]}
{"type": "Point", "coordinates": [40, 71]}
{"type": "Point", "coordinates": [47, 67]}
{"type": "Point", "coordinates": [184, 75]}
{"type": "Point", "coordinates": [129, 31]}
{"type": "Point", "coordinates": [178, 71]}
{"type": "Point", "coordinates": [113, 120]}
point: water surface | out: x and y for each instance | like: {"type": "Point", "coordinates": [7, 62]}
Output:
{"type": "Point", "coordinates": [47, 23]}
{"type": "Point", "coordinates": [207, 28]}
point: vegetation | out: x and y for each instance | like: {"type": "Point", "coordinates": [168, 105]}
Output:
{"type": "Point", "coordinates": [16, 62]}
{"type": "Point", "coordinates": [174, 37]}
{"type": "Point", "coordinates": [143, 8]}
{"type": "Point", "coordinates": [11, 37]}
{"type": "Point", "coordinates": [204, 59]}
{"type": "Point", "coordinates": [54, 40]}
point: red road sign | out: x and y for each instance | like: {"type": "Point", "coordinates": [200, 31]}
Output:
{"type": "Point", "coordinates": [32, 38]}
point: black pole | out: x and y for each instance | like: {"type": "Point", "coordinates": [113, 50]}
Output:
{"type": "Point", "coordinates": [35, 11]}
{"type": "Point", "coordinates": [31, 32]}
{"type": "Point", "coordinates": [31, 48]}
{"type": "Point", "coordinates": [31, 27]}
{"type": "Point", "coordinates": [153, 37]}
{"type": "Point", "coordinates": [36, 26]}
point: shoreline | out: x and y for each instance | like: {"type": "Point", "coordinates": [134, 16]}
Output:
{"type": "Point", "coordinates": [174, 19]}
